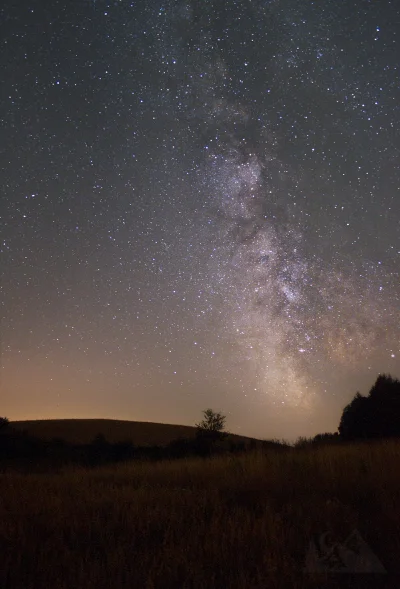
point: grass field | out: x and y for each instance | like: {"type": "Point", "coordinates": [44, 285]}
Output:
{"type": "Point", "coordinates": [226, 522]}
{"type": "Point", "coordinates": [82, 431]}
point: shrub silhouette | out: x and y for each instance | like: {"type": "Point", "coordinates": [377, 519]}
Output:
{"type": "Point", "coordinates": [374, 416]}
{"type": "Point", "coordinates": [123, 451]}
{"type": "Point", "coordinates": [326, 438]}
{"type": "Point", "coordinates": [4, 423]}
{"type": "Point", "coordinates": [180, 448]}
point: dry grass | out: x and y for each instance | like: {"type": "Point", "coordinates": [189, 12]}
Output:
{"type": "Point", "coordinates": [226, 522]}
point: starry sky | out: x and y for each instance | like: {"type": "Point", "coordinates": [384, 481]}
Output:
{"type": "Point", "coordinates": [200, 207]}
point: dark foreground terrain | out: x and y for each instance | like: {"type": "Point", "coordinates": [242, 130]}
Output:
{"type": "Point", "coordinates": [231, 521]}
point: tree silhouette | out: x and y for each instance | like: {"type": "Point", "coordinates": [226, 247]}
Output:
{"type": "Point", "coordinates": [212, 423]}
{"type": "Point", "coordinates": [374, 416]}
{"type": "Point", "coordinates": [210, 431]}
{"type": "Point", "coordinates": [4, 423]}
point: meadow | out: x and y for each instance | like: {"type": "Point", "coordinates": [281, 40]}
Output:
{"type": "Point", "coordinates": [231, 521]}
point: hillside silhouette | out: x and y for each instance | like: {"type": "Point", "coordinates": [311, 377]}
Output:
{"type": "Point", "coordinates": [83, 431]}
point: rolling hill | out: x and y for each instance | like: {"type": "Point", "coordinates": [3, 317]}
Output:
{"type": "Point", "coordinates": [82, 431]}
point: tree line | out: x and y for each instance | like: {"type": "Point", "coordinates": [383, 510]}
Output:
{"type": "Point", "coordinates": [375, 416]}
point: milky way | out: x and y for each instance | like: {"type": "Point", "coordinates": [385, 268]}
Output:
{"type": "Point", "coordinates": [293, 314]}
{"type": "Point", "coordinates": [201, 209]}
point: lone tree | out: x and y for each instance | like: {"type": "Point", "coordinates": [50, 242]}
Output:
{"type": "Point", "coordinates": [212, 425]}
{"type": "Point", "coordinates": [376, 415]}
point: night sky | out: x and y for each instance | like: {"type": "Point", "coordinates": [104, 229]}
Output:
{"type": "Point", "coordinates": [200, 207]}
